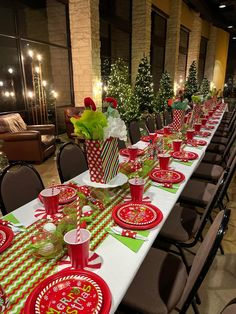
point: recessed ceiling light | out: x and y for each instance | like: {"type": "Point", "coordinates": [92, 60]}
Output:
{"type": "Point", "coordinates": [234, 37]}
{"type": "Point", "coordinates": [230, 26]}
{"type": "Point", "coordinates": [222, 6]}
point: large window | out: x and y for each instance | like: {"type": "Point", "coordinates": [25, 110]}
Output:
{"type": "Point", "coordinates": [202, 59]}
{"type": "Point", "coordinates": [35, 58]}
{"type": "Point", "coordinates": [115, 32]}
{"type": "Point", "coordinates": [158, 42]}
{"type": "Point", "coordinates": [183, 54]}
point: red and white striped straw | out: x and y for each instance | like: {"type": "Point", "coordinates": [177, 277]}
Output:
{"type": "Point", "coordinates": [78, 219]}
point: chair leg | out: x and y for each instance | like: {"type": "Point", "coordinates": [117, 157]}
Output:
{"type": "Point", "coordinates": [221, 250]}
{"type": "Point", "coordinates": [227, 196]}
{"type": "Point", "coordinates": [194, 306]}
{"type": "Point", "coordinates": [198, 300]}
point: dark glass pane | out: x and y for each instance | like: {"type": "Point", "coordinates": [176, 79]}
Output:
{"type": "Point", "coordinates": [183, 41]}
{"type": "Point", "coordinates": [47, 79]}
{"type": "Point", "coordinates": [202, 58]}
{"type": "Point", "coordinates": [11, 98]}
{"type": "Point", "coordinates": [7, 23]}
{"type": "Point", "coordinates": [120, 45]}
{"type": "Point", "coordinates": [122, 9]}
{"type": "Point", "coordinates": [182, 63]}
{"type": "Point", "coordinates": [159, 25]}
{"type": "Point", "coordinates": [43, 20]}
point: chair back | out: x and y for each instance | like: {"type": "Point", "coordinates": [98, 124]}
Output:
{"type": "Point", "coordinates": [159, 122]}
{"type": "Point", "coordinates": [204, 258]}
{"type": "Point", "coordinates": [134, 132]}
{"type": "Point", "coordinates": [231, 158]}
{"type": "Point", "coordinates": [71, 161]}
{"type": "Point", "coordinates": [229, 146]}
{"type": "Point", "coordinates": [20, 183]}
{"type": "Point", "coordinates": [121, 144]}
{"type": "Point", "coordinates": [150, 123]}
{"type": "Point", "coordinates": [167, 117]}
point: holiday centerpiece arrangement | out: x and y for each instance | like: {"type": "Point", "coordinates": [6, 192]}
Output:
{"type": "Point", "coordinates": [101, 132]}
{"type": "Point", "coordinates": [179, 107]}
{"type": "Point", "coordinates": [197, 103]}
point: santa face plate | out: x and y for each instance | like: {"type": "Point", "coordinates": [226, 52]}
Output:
{"type": "Point", "coordinates": [166, 176]}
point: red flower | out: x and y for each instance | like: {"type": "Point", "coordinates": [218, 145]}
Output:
{"type": "Point", "coordinates": [89, 103]}
{"type": "Point", "coordinates": [170, 102]}
{"type": "Point", "coordinates": [111, 100]}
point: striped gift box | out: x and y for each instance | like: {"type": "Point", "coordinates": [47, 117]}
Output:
{"type": "Point", "coordinates": [103, 159]}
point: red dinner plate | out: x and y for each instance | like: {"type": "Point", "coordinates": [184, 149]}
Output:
{"type": "Point", "coordinates": [125, 152]}
{"type": "Point", "coordinates": [166, 176]}
{"type": "Point", "coordinates": [160, 131]}
{"type": "Point", "coordinates": [137, 216]}
{"type": "Point", "coordinates": [204, 134]}
{"type": "Point", "coordinates": [212, 122]}
{"type": "Point", "coordinates": [6, 237]}
{"type": "Point", "coordinates": [208, 127]}
{"type": "Point", "coordinates": [145, 138]}
{"type": "Point", "coordinates": [184, 155]}
{"type": "Point", "coordinates": [83, 291]}
{"type": "Point", "coordinates": [67, 194]}
{"type": "Point", "coordinates": [197, 142]}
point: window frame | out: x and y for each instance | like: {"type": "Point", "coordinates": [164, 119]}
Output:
{"type": "Point", "coordinates": [184, 50]}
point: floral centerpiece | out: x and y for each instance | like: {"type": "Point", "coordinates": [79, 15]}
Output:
{"type": "Point", "coordinates": [179, 107]}
{"type": "Point", "coordinates": [101, 131]}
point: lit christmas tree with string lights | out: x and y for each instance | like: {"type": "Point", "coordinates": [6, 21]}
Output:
{"type": "Point", "coordinates": [191, 85]}
{"type": "Point", "coordinates": [205, 87]}
{"type": "Point", "coordinates": [118, 86]}
{"type": "Point", "coordinates": [143, 89]}
{"type": "Point", "coordinates": [164, 93]}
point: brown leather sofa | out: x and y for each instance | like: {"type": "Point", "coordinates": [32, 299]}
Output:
{"type": "Point", "coordinates": [69, 113]}
{"type": "Point", "coordinates": [28, 143]}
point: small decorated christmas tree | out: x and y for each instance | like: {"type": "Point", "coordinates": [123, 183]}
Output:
{"type": "Point", "coordinates": [164, 93]}
{"type": "Point", "coordinates": [143, 89]}
{"type": "Point", "coordinates": [191, 85]}
{"type": "Point", "coordinates": [205, 87]}
{"type": "Point", "coordinates": [118, 86]}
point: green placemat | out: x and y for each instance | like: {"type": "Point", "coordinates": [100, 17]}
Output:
{"type": "Point", "coordinates": [186, 163]}
{"type": "Point", "coordinates": [132, 244]}
{"type": "Point", "coordinates": [173, 190]}
{"type": "Point", "coordinates": [11, 218]}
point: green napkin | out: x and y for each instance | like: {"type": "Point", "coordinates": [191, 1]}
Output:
{"type": "Point", "coordinates": [11, 218]}
{"type": "Point", "coordinates": [132, 244]}
{"type": "Point", "coordinates": [186, 163]}
{"type": "Point", "coordinates": [173, 190]}
{"type": "Point", "coordinates": [197, 147]}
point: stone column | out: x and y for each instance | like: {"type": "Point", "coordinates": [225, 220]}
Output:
{"type": "Point", "coordinates": [141, 33]}
{"type": "Point", "coordinates": [172, 39]}
{"type": "Point", "coordinates": [85, 46]}
{"type": "Point", "coordinates": [211, 52]}
{"type": "Point", "coordinates": [194, 41]}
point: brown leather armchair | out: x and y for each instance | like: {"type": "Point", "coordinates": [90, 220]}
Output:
{"type": "Point", "coordinates": [35, 143]}
{"type": "Point", "coordinates": [71, 112]}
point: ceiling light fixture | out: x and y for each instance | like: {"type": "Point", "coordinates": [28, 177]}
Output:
{"type": "Point", "coordinates": [222, 6]}
{"type": "Point", "coordinates": [234, 37]}
{"type": "Point", "coordinates": [230, 26]}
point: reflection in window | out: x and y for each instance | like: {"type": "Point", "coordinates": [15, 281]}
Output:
{"type": "Point", "coordinates": [10, 76]}
{"type": "Point", "coordinates": [202, 59]}
{"type": "Point", "coordinates": [43, 20]}
{"type": "Point", "coordinates": [158, 42]}
{"type": "Point", "coordinates": [47, 77]}
{"type": "Point", "coordinates": [183, 54]}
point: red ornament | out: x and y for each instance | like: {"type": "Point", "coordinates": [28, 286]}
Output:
{"type": "Point", "coordinates": [112, 100]}
{"type": "Point", "coordinates": [89, 103]}
{"type": "Point", "coordinates": [170, 102]}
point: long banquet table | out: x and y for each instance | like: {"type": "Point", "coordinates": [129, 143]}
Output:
{"type": "Point", "coordinates": [120, 264]}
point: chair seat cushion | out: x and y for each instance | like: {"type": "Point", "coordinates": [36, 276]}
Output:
{"type": "Point", "coordinates": [230, 309]}
{"type": "Point", "coordinates": [219, 140]}
{"type": "Point", "coordinates": [158, 284]}
{"type": "Point", "coordinates": [216, 148]}
{"type": "Point", "coordinates": [197, 193]}
{"type": "Point", "coordinates": [47, 140]}
{"type": "Point", "coordinates": [208, 172]}
{"type": "Point", "coordinates": [212, 158]}
{"type": "Point", "coordinates": [181, 224]}
{"type": "Point", "coordinates": [223, 133]}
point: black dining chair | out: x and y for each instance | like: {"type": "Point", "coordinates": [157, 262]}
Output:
{"type": "Point", "coordinates": [134, 132]}
{"type": "Point", "coordinates": [150, 123]}
{"type": "Point", "coordinates": [163, 284]}
{"type": "Point", "coordinates": [20, 183]}
{"type": "Point", "coordinates": [159, 122]}
{"type": "Point", "coordinates": [71, 161]}
{"type": "Point", "coordinates": [230, 308]}
{"type": "Point", "coordinates": [167, 117]}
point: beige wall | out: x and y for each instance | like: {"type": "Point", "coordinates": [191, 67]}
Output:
{"type": "Point", "coordinates": [187, 16]}
{"type": "Point", "coordinates": [221, 52]}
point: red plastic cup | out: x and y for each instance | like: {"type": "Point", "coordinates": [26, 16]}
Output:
{"type": "Point", "coordinates": [78, 251]}
{"type": "Point", "coordinates": [166, 130]}
{"type": "Point", "coordinates": [50, 199]}
{"type": "Point", "coordinates": [197, 127]}
{"type": "Point", "coordinates": [204, 121]}
{"type": "Point", "coordinates": [136, 189]}
{"type": "Point", "coordinates": [177, 145]}
{"type": "Point", "coordinates": [210, 113]}
{"type": "Point", "coordinates": [152, 137]}
{"type": "Point", "coordinates": [164, 160]}
{"type": "Point", "coordinates": [133, 153]}
{"type": "Point", "coordinates": [190, 134]}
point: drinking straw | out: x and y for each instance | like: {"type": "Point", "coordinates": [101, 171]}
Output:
{"type": "Point", "coordinates": [78, 219]}
{"type": "Point", "coordinates": [53, 184]}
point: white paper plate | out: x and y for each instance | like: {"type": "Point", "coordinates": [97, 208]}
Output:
{"type": "Point", "coordinates": [118, 180]}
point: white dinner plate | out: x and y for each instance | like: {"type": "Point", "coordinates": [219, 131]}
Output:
{"type": "Point", "coordinates": [118, 180]}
